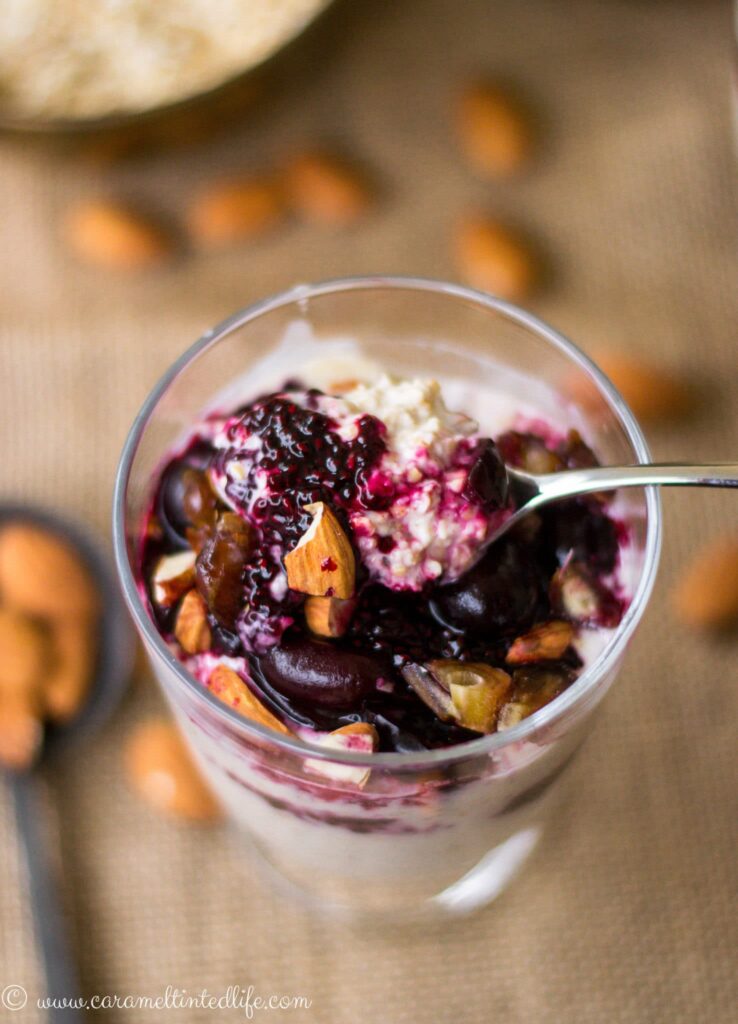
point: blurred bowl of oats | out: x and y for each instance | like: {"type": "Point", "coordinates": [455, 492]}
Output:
{"type": "Point", "coordinates": [70, 66]}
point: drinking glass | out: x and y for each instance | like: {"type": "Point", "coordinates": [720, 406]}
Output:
{"type": "Point", "coordinates": [439, 831]}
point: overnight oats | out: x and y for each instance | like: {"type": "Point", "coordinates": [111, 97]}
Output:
{"type": "Point", "coordinates": [372, 692]}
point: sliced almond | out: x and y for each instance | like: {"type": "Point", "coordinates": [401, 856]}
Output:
{"type": "Point", "coordinates": [328, 616]}
{"type": "Point", "coordinates": [109, 235]}
{"type": "Point", "coordinates": [173, 576]}
{"type": "Point", "coordinates": [325, 190]}
{"type": "Point", "coordinates": [69, 676]}
{"type": "Point", "coordinates": [494, 258]}
{"type": "Point", "coordinates": [545, 642]}
{"type": "Point", "coordinates": [192, 629]}
{"type": "Point", "coordinates": [42, 575]}
{"type": "Point", "coordinates": [235, 211]}
{"type": "Point", "coordinates": [229, 687]}
{"type": "Point", "coordinates": [161, 770]}
{"type": "Point", "coordinates": [706, 596]}
{"type": "Point", "coordinates": [323, 563]}
{"type": "Point", "coordinates": [494, 131]}
{"type": "Point", "coordinates": [358, 737]}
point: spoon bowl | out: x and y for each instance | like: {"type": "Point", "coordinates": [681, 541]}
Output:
{"type": "Point", "coordinates": [529, 491]}
{"type": "Point", "coordinates": [111, 672]}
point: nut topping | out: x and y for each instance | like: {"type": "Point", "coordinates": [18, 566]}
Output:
{"type": "Point", "coordinates": [229, 687]}
{"type": "Point", "coordinates": [328, 616]}
{"type": "Point", "coordinates": [192, 629]}
{"type": "Point", "coordinates": [322, 564]}
{"type": "Point", "coordinates": [359, 737]}
{"type": "Point", "coordinates": [173, 576]}
{"type": "Point", "coordinates": [545, 642]}
{"type": "Point", "coordinates": [576, 593]}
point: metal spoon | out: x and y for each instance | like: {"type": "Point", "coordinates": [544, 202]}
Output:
{"type": "Point", "coordinates": [112, 671]}
{"type": "Point", "coordinates": [528, 491]}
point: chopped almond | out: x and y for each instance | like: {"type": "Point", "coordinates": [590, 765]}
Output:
{"type": "Point", "coordinates": [359, 737]}
{"type": "Point", "coordinates": [173, 576]}
{"type": "Point", "coordinates": [235, 211]}
{"type": "Point", "coordinates": [328, 616]}
{"type": "Point", "coordinates": [229, 687]}
{"type": "Point", "coordinates": [161, 770]}
{"type": "Point", "coordinates": [109, 235]}
{"type": "Point", "coordinates": [42, 575]}
{"type": "Point", "coordinates": [192, 629]}
{"type": "Point", "coordinates": [545, 642]}
{"type": "Point", "coordinates": [323, 563]}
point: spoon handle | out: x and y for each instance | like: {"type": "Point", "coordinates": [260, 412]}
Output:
{"type": "Point", "coordinates": [48, 917]}
{"type": "Point", "coordinates": [608, 478]}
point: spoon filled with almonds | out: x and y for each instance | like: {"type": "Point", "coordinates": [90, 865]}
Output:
{"type": "Point", "coordinates": [67, 654]}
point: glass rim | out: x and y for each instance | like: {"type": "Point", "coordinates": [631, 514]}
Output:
{"type": "Point", "coordinates": [572, 697]}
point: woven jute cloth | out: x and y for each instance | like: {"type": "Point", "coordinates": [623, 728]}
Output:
{"type": "Point", "coordinates": [627, 910]}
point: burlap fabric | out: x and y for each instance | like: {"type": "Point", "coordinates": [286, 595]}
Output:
{"type": "Point", "coordinates": [627, 911]}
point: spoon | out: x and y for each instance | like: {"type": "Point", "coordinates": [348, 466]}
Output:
{"type": "Point", "coordinates": [528, 491]}
{"type": "Point", "coordinates": [112, 671]}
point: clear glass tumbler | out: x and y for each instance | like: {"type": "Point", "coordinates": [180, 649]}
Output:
{"type": "Point", "coordinates": [441, 830]}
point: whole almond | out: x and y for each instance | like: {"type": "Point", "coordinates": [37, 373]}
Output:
{"type": "Point", "coordinates": [67, 680]}
{"type": "Point", "coordinates": [494, 131]}
{"type": "Point", "coordinates": [651, 391]}
{"type": "Point", "coordinates": [106, 234]}
{"type": "Point", "coordinates": [325, 190]}
{"type": "Point", "coordinates": [191, 628]}
{"type": "Point", "coordinates": [545, 642]}
{"type": "Point", "coordinates": [235, 211]}
{"type": "Point", "coordinates": [161, 770]}
{"type": "Point", "coordinates": [706, 596]}
{"type": "Point", "coordinates": [228, 687]}
{"type": "Point", "coordinates": [41, 574]}
{"type": "Point", "coordinates": [322, 564]}
{"type": "Point", "coordinates": [493, 258]}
